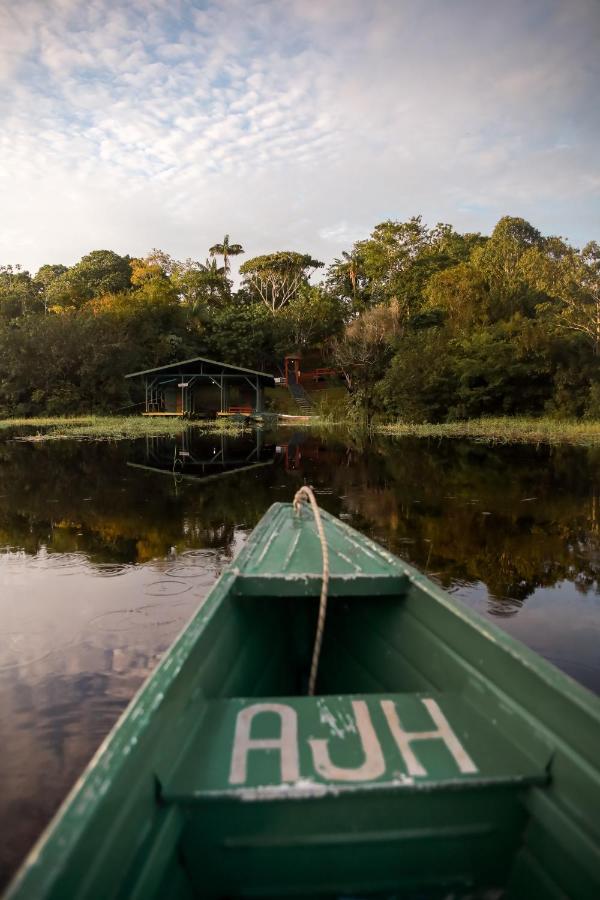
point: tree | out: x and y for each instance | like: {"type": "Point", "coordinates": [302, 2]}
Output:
{"type": "Point", "coordinates": [344, 274]}
{"type": "Point", "coordinates": [226, 250]}
{"type": "Point", "coordinates": [418, 385]}
{"type": "Point", "coordinates": [202, 285]}
{"type": "Point", "coordinates": [589, 314]}
{"type": "Point", "coordinates": [388, 255]}
{"type": "Point", "coordinates": [19, 294]}
{"type": "Point", "coordinates": [240, 334]}
{"type": "Point", "coordinates": [314, 316]}
{"type": "Point", "coordinates": [364, 349]}
{"type": "Point", "coordinates": [500, 262]}
{"type": "Point", "coordinates": [573, 279]}
{"type": "Point", "coordinates": [396, 262]}
{"type": "Point", "coordinates": [276, 277]}
{"type": "Point", "coordinates": [164, 261]}
{"type": "Point", "coordinates": [460, 293]}
{"type": "Point", "coordinates": [45, 276]}
{"type": "Point", "coordinates": [99, 272]}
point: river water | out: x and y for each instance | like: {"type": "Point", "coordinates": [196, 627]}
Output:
{"type": "Point", "coordinates": [106, 550]}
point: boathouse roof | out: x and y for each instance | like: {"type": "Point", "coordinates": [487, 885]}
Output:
{"type": "Point", "coordinates": [200, 365]}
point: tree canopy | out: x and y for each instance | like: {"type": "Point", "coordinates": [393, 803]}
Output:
{"type": "Point", "coordinates": [424, 323]}
{"type": "Point", "coordinates": [276, 277]}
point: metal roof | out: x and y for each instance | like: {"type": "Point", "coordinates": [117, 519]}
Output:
{"type": "Point", "coordinates": [219, 366]}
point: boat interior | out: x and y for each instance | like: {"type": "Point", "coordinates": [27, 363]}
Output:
{"type": "Point", "coordinates": [437, 757]}
{"type": "Point", "coordinates": [339, 819]}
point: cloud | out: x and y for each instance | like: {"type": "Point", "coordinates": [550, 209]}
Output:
{"type": "Point", "coordinates": [151, 123]}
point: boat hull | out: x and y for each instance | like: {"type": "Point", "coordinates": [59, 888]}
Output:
{"type": "Point", "coordinates": [439, 755]}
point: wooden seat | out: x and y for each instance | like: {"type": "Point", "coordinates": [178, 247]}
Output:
{"type": "Point", "coordinates": [293, 747]}
{"type": "Point", "coordinates": [419, 786]}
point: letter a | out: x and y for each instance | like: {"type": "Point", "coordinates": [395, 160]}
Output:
{"type": "Point", "coordinates": [442, 733]}
{"type": "Point", "coordinates": [286, 743]}
{"type": "Point", "coordinates": [374, 764]}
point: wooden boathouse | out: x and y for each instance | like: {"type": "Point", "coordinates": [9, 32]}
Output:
{"type": "Point", "coordinates": [202, 387]}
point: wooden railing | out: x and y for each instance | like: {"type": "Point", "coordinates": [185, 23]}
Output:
{"type": "Point", "coordinates": [316, 374]}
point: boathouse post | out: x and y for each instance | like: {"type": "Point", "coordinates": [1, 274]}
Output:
{"type": "Point", "coordinates": [259, 395]}
{"type": "Point", "coordinates": [224, 395]}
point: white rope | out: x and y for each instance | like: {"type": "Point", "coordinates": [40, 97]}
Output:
{"type": "Point", "coordinates": [306, 493]}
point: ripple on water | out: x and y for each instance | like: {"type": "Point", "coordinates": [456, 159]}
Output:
{"type": "Point", "coordinates": [64, 563]}
{"type": "Point", "coordinates": [166, 588]}
{"type": "Point", "coordinates": [199, 573]}
{"type": "Point", "coordinates": [136, 619]}
{"type": "Point", "coordinates": [109, 570]}
{"type": "Point", "coordinates": [201, 565]}
{"type": "Point", "coordinates": [200, 557]}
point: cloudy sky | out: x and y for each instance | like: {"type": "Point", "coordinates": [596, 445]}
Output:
{"type": "Point", "coordinates": [291, 124]}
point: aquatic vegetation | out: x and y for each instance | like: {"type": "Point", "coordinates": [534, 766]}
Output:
{"type": "Point", "coordinates": [111, 428]}
{"type": "Point", "coordinates": [504, 430]}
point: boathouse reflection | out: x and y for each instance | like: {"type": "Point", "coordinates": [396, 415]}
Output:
{"type": "Point", "coordinates": [203, 457]}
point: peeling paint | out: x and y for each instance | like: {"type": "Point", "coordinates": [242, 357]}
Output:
{"type": "Point", "coordinates": [341, 725]}
{"type": "Point", "coordinates": [303, 788]}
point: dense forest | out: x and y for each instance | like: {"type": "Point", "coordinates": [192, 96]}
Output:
{"type": "Point", "coordinates": [425, 324]}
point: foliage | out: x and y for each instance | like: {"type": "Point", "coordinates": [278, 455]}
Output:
{"type": "Point", "coordinates": [572, 279]}
{"type": "Point", "coordinates": [98, 273]}
{"type": "Point", "coordinates": [242, 335]}
{"type": "Point", "coordinates": [226, 249]}
{"type": "Point", "coordinates": [314, 317]}
{"type": "Point", "coordinates": [424, 323]}
{"type": "Point", "coordinates": [111, 428]}
{"type": "Point", "coordinates": [508, 324]}
{"type": "Point", "coordinates": [277, 277]}
{"type": "Point", "coordinates": [396, 261]}
{"type": "Point", "coordinates": [363, 351]}
{"type": "Point", "coordinates": [512, 430]}
{"type": "Point", "coordinates": [19, 294]}
{"type": "Point", "coordinates": [460, 293]}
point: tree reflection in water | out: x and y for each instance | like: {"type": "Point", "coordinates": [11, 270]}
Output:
{"type": "Point", "coordinates": [107, 549]}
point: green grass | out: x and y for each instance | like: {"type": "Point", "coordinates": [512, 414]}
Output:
{"type": "Point", "coordinates": [493, 430]}
{"type": "Point", "coordinates": [503, 430]}
{"type": "Point", "coordinates": [278, 400]}
{"type": "Point", "coordinates": [110, 428]}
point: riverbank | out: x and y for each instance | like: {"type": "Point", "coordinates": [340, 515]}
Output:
{"type": "Point", "coordinates": [506, 430]}
{"type": "Point", "coordinates": [111, 428]}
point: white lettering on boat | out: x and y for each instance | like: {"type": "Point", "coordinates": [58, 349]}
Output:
{"type": "Point", "coordinates": [286, 743]}
{"type": "Point", "coordinates": [372, 767]}
{"type": "Point", "coordinates": [443, 732]}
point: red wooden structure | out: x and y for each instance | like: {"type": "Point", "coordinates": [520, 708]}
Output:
{"type": "Point", "coordinates": [292, 368]}
{"type": "Point", "coordinates": [294, 375]}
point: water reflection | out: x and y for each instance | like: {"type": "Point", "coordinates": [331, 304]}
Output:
{"type": "Point", "coordinates": [107, 549]}
{"type": "Point", "coordinates": [190, 456]}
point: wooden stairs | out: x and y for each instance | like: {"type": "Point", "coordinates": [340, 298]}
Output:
{"type": "Point", "coordinates": [301, 398]}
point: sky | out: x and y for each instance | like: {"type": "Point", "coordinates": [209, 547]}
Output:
{"type": "Point", "coordinates": [291, 124]}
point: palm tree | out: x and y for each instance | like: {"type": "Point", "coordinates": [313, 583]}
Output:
{"type": "Point", "coordinates": [226, 250]}
{"type": "Point", "coordinates": [351, 269]}
{"type": "Point", "coordinates": [348, 268]}
{"type": "Point", "coordinates": [214, 277]}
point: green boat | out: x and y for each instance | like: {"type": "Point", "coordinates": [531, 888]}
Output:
{"type": "Point", "coordinates": [437, 757]}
